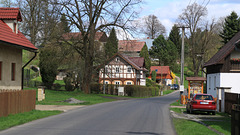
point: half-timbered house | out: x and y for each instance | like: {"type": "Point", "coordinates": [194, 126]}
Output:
{"type": "Point", "coordinates": [123, 70]}
{"type": "Point", "coordinates": [223, 69]}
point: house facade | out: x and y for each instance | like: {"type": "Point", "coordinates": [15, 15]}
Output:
{"type": "Point", "coordinates": [131, 48]}
{"type": "Point", "coordinates": [123, 70]}
{"type": "Point", "coordinates": [163, 74]}
{"type": "Point", "coordinates": [12, 42]}
{"type": "Point", "coordinates": [223, 69]}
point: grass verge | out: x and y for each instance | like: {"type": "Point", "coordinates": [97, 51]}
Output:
{"type": "Point", "coordinates": [186, 127]}
{"type": "Point", "coordinates": [221, 124]}
{"type": "Point", "coordinates": [21, 118]}
{"type": "Point", "coordinates": [165, 92]}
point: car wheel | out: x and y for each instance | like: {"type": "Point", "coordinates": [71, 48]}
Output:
{"type": "Point", "coordinates": [213, 113]}
{"type": "Point", "coordinates": [208, 113]}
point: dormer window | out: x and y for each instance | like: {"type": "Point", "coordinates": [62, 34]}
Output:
{"type": "Point", "coordinates": [117, 59]}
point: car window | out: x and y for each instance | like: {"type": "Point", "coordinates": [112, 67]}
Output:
{"type": "Point", "coordinates": [203, 97]}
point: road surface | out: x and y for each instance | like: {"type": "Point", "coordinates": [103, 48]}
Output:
{"type": "Point", "coordinates": [129, 117]}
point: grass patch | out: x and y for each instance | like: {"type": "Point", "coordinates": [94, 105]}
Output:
{"type": "Point", "coordinates": [186, 127]}
{"type": "Point", "coordinates": [165, 92]}
{"type": "Point", "coordinates": [53, 97]}
{"type": "Point", "coordinates": [177, 103]}
{"type": "Point", "coordinates": [21, 118]}
{"type": "Point", "coordinates": [178, 110]}
{"type": "Point", "coordinates": [223, 126]}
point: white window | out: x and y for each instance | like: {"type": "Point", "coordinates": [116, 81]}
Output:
{"type": "Point", "coordinates": [129, 83]}
{"type": "Point", "coordinates": [117, 83]}
{"type": "Point", "coordinates": [129, 69]}
{"type": "Point", "coordinates": [117, 69]}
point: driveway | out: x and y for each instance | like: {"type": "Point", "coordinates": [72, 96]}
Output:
{"type": "Point", "coordinates": [125, 117]}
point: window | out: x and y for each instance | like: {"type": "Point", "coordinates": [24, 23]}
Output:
{"type": "Point", "coordinates": [129, 69]}
{"type": "Point", "coordinates": [117, 69]}
{"type": "Point", "coordinates": [0, 70]}
{"type": "Point", "coordinates": [235, 65]}
{"type": "Point", "coordinates": [117, 59]}
{"type": "Point", "coordinates": [106, 69]}
{"type": "Point", "coordinates": [106, 82]}
{"type": "Point", "coordinates": [117, 83]}
{"type": "Point", "coordinates": [129, 83]}
{"type": "Point", "coordinates": [13, 71]}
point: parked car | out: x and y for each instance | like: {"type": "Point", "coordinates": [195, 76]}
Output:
{"type": "Point", "coordinates": [201, 102]}
{"type": "Point", "coordinates": [171, 86]}
{"type": "Point", "coordinates": [175, 86]}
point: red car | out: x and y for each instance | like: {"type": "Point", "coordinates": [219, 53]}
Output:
{"type": "Point", "coordinates": [201, 102]}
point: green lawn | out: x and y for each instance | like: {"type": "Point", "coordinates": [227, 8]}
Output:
{"type": "Point", "coordinates": [21, 118]}
{"type": "Point", "coordinates": [165, 92]}
{"type": "Point", "coordinates": [186, 127]}
{"type": "Point", "coordinates": [223, 125]}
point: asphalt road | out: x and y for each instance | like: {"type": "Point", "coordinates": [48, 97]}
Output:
{"type": "Point", "coordinates": [129, 117]}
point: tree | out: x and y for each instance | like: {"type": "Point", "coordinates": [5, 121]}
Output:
{"type": "Point", "coordinates": [153, 27]}
{"type": "Point", "coordinates": [175, 37]}
{"type": "Point", "coordinates": [200, 33]}
{"type": "Point", "coordinates": [154, 75]}
{"type": "Point", "coordinates": [231, 27]}
{"type": "Point", "coordinates": [89, 17]}
{"type": "Point", "coordinates": [48, 65]}
{"type": "Point", "coordinates": [111, 47]}
{"type": "Point", "coordinates": [157, 50]}
{"type": "Point", "coordinates": [64, 24]}
{"type": "Point", "coordinates": [144, 53]}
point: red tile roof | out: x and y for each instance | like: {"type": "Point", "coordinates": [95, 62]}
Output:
{"type": "Point", "coordinates": [160, 69]}
{"type": "Point", "coordinates": [100, 36]}
{"type": "Point", "coordinates": [9, 37]}
{"type": "Point", "coordinates": [10, 14]}
{"type": "Point", "coordinates": [225, 51]}
{"type": "Point", "coordinates": [130, 45]}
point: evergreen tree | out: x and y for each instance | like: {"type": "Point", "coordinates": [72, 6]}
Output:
{"type": "Point", "coordinates": [231, 27]}
{"type": "Point", "coordinates": [111, 47]}
{"type": "Point", "coordinates": [48, 65]}
{"type": "Point", "coordinates": [154, 75]}
{"type": "Point", "coordinates": [64, 24]}
{"type": "Point", "coordinates": [158, 49]}
{"type": "Point", "coordinates": [144, 53]}
{"type": "Point", "coordinates": [175, 37]}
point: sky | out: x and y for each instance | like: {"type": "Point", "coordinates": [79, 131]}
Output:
{"type": "Point", "coordinates": [168, 11]}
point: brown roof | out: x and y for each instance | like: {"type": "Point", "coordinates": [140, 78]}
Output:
{"type": "Point", "coordinates": [225, 51]}
{"type": "Point", "coordinates": [136, 62]}
{"type": "Point", "coordinates": [196, 78]}
{"type": "Point", "coordinates": [139, 61]}
{"type": "Point", "coordinates": [130, 45]}
{"type": "Point", "coordinates": [100, 36]}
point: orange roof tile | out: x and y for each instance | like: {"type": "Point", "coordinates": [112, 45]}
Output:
{"type": "Point", "coordinates": [6, 33]}
{"type": "Point", "coordinates": [130, 45]}
{"type": "Point", "coordinates": [160, 69]}
{"type": "Point", "coordinates": [10, 14]}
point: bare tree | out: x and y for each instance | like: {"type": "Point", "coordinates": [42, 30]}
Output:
{"type": "Point", "coordinates": [153, 27]}
{"type": "Point", "coordinates": [200, 35]}
{"type": "Point", "coordinates": [39, 19]}
{"type": "Point", "coordinates": [91, 16]}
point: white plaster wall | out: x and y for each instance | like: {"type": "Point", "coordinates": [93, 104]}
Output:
{"type": "Point", "coordinates": [9, 55]}
{"type": "Point", "coordinates": [223, 80]}
{"type": "Point", "coordinates": [10, 24]}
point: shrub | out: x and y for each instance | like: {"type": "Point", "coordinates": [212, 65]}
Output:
{"type": "Point", "coordinates": [95, 87]}
{"type": "Point", "coordinates": [57, 86]}
{"type": "Point", "coordinates": [140, 91]}
{"type": "Point", "coordinates": [68, 84]}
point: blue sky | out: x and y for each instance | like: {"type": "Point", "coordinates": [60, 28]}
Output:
{"type": "Point", "coordinates": [168, 11]}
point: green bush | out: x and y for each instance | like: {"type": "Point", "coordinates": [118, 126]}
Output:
{"type": "Point", "coordinates": [68, 84]}
{"type": "Point", "coordinates": [57, 86]}
{"type": "Point", "coordinates": [95, 87]}
{"type": "Point", "coordinates": [141, 91]}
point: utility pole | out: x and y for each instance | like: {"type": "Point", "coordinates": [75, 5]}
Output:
{"type": "Point", "coordinates": [182, 61]}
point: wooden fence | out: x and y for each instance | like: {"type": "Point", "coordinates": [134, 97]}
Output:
{"type": "Point", "coordinates": [230, 99]}
{"type": "Point", "coordinates": [12, 102]}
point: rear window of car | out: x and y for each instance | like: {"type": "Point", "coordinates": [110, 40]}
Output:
{"type": "Point", "coordinates": [203, 97]}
